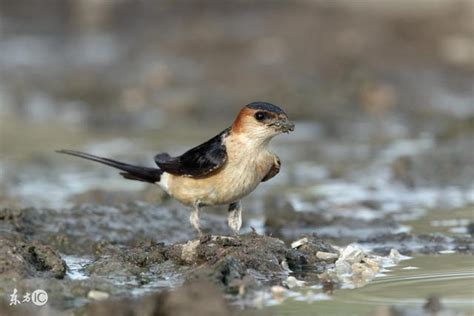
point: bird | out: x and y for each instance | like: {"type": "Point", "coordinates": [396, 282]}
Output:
{"type": "Point", "coordinates": [220, 171]}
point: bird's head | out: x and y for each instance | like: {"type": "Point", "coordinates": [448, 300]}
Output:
{"type": "Point", "coordinates": [262, 121]}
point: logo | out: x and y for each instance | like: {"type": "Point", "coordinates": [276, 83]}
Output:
{"type": "Point", "coordinates": [39, 297]}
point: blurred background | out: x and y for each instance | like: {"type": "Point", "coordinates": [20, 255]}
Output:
{"type": "Point", "coordinates": [381, 92]}
{"type": "Point", "coordinates": [122, 77]}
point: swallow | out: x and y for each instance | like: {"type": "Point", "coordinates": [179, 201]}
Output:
{"type": "Point", "coordinates": [220, 171]}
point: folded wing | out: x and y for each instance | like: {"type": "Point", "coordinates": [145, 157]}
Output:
{"type": "Point", "coordinates": [198, 161]}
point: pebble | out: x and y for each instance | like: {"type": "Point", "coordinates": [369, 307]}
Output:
{"type": "Point", "coordinates": [326, 255]}
{"type": "Point", "coordinates": [299, 242]}
{"type": "Point", "coordinates": [342, 267]}
{"type": "Point", "coordinates": [352, 254]}
{"type": "Point", "coordinates": [188, 253]}
{"type": "Point", "coordinates": [292, 282]}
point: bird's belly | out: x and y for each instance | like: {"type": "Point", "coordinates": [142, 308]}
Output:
{"type": "Point", "coordinates": [217, 189]}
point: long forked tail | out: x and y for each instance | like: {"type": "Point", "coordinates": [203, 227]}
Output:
{"type": "Point", "coordinates": [131, 172]}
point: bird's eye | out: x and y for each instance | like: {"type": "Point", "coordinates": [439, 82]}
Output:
{"type": "Point", "coordinates": [259, 116]}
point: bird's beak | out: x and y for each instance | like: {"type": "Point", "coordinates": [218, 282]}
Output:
{"type": "Point", "coordinates": [284, 125]}
{"type": "Point", "coordinates": [288, 126]}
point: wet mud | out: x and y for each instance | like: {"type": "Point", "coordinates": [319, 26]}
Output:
{"type": "Point", "coordinates": [89, 268]}
{"type": "Point", "coordinates": [233, 265]}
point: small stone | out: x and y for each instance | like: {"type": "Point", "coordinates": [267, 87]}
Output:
{"type": "Point", "coordinates": [97, 295]}
{"type": "Point", "coordinates": [284, 265]}
{"type": "Point", "coordinates": [188, 253]}
{"type": "Point", "coordinates": [299, 242]}
{"type": "Point", "coordinates": [338, 249]}
{"type": "Point", "coordinates": [292, 282]}
{"type": "Point", "coordinates": [342, 267]}
{"type": "Point", "coordinates": [326, 255]}
{"type": "Point", "coordinates": [352, 254]}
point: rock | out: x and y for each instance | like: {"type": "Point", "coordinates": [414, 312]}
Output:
{"type": "Point", "coordinates": [351, 254]}
{"type": "Point", "coordinates": [188, 251]}
{"type": "Point", "coordinates": [343, 267]}
{"type": "Point", "coordinates": [12, 263]}
{"type": "Point", "coordinates": [299, 242]}
{"type": "Point", "coordinates": [45, 258]}
{"type": "Point", "coordinates": [21, 258]}
{"type": "Point", "coordinates": [311, 247]}
{"type": "Point", "coordinates": [326, 255]}
{"type": "Point", "coordinates": [292, 282]}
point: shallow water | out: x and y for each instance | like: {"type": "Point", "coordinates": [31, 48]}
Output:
{"type": "Point", "coordinates": [405, 286]}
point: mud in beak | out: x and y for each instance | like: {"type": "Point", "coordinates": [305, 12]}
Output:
{"type": "Point", "coordinates": [284, 125]}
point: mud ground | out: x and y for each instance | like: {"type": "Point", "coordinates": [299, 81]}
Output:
{"type": "Point", "coordinates": [237, 266]}
{"type": "Point", "coordinates": [121, 259]}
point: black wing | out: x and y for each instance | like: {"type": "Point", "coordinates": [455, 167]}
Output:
{"type": "Point", "coordinates": [198, 161]}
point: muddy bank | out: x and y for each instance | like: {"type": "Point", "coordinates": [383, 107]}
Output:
{"type": "Point", "coordinates": [90, 258]}
{"type": "Point", "coordinates": [78, 230]}
{"type": "Point", "coordinates": [84, 270]}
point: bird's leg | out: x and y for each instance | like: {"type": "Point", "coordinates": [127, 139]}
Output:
{"type": "Point", "coordinates": [194, 218]}
{"type": "Point", "coordinates": [234, 217]}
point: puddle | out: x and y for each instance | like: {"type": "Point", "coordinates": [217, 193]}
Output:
{"type": "Point", "coordinates": [165, 282]}
{"type": "Point", "coordinates": [405, 287]}
{"type": "Point", "coordinates": [75, 267]}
